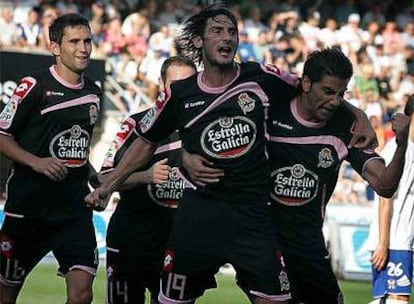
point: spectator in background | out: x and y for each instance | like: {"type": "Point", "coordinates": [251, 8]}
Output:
{"type": "Point", "coordinates": [149, 72]}
{"type": "Point", "coordinates": [329, 34]}
{"type": "Point", "coordinates": [350, 36]}
{"type": "Point", "coordinates": [253, 24]}
{"type": "Point", "coordinates": [310, 31]}
{"type": "Point", "coordinates": [28, 31]}
{"type": "Point", "coordinates": [48, 16]}
{"type": "Point", "coordinates": [245, 51]}
{"type": "Point", "coordinates": [8, 32]}
{"type": "Point", "coordinates": [391, 233]}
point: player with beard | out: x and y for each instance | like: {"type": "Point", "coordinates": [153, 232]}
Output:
{"type": "Point", "coordinates": [220, 113]}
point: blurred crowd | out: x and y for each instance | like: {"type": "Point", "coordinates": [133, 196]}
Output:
{"type": "Point", "coordinates": [135, 37]}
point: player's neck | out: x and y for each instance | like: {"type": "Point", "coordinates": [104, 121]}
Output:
{"type": "Point", "coordinates": [68, 75]}
{"type": "Point", "coordinates": [219, 76]}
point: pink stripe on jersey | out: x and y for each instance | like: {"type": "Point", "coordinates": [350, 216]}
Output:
{"type": "Point", "coordinates": [338, 144]}
{"type": "Point", "coordinates": [168, 147]}
{"type": "Point", "coordinates": [91, 98]}
{"type": "Point", "coordinates": [55, 75]}
{"type": "Point", "coordinates": [241, 88]}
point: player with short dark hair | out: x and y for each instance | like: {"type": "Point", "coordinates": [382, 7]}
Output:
{"type": "Point", "coordinates": [46, 130]}
{"type": "Point", "coordinates": [308, 140]}
{"type": "Point", "coordinates": [140, 225]}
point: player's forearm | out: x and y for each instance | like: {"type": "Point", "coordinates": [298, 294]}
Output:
{"type": "Point", "coordinates": [384, 217]}
{"type": "Point", "coordinates": [390, 177]}
{"type": "Point", "coordinates": [10, 148]}
{"type": "Point", "coordinates": [134, 158]}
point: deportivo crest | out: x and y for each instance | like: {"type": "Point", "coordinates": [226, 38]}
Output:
{"type": "Point", "coordinates": [294, 186]}
{"type": "Point", "coordinates": [72, 146]}
{"type": "Point", "coordinates": [168, 194]}
{"type": "Point", "coordinates": [246, 103]}
{"type": "Point", "coordinates": [325, 158]}
{"type": "Point", "coordinates": [93, 114]}
{"type": "Point", "coordinates": [228, 137]}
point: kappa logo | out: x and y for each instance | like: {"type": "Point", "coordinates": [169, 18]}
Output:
{"type": "Point", "coordinates": [93, 114]}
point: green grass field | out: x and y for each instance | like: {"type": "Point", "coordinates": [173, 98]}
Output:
{"type": "Point", "coordinates": [43, 286]}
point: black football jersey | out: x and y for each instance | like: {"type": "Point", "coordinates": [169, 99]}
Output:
{"type": "Point", "coordinates": [50, 117]}
{"type": "Point", "coordinates": [145, 197]}
{"type": "Point", "coordinates": [305, 158]}
{"type": "Point", "coordinates": [225, 125]}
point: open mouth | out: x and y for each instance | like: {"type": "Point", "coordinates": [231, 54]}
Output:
{"type": "Point", "coordinates": [225, 50]}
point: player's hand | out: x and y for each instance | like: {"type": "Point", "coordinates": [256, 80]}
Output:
{"type": "Point", "coordinates": [379, 257]}
{"type": "Point", "coordinates": [158, 173]}
{"type": "Point", "coordinates": [201, 170]}
{"type": "Point", "coordinates": [98, 199]}
{"type": "Point", "coordinates": [401, 127]}
{"type": "Point", "coordinates": [52, 167]}
{"type": "Point", "coordinates": [363, 135]}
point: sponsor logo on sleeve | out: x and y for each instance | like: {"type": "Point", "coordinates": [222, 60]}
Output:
{"type": "Point", "coordinates": [9, 111]}
{"type": "Point", "coordinates": [123, 134]}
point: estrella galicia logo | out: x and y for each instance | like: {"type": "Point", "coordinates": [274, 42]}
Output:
{"type": "Point", "coordinates": [229, 137]}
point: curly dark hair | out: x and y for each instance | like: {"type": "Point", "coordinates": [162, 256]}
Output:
{"type": "Point", "coordinates": [195, 26]}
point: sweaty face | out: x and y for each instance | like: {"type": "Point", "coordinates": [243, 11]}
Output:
{"type": "Point", "coordinates": [323, 98]}
{"type": "Point", "coordinates": [75, 49]}
{"type": "Point", "coordinates": [220, 41]}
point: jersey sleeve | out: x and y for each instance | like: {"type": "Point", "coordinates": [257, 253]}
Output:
{"type": "Point", "coordinates": [123, 139]}
{"type": "Point", "coordinates": [161, 120]}
{"type": "Point", "coordinates": [359, 158]}
{"type": "Point", "coordinates": [282, 85]}
{"type": "Point", "coordinates": [20, 107]}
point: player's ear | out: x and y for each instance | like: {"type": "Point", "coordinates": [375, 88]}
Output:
{"type": "Point", "coordinates": [306, 84]}
{"type": "Point", "coordinates": [55, 48]}
{"type": "Point", "coordinates": [197, 42]}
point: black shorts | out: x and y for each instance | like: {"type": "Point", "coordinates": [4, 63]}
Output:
{"type": "Point", "coordinates": [24, 242]}
{"type": "Point", "coordinates": [312, 280]}
{"type": "Point", "coordinates": [209, 233]}
{"type": "Point", "coordinates": [125, 286]}
{"type": "Point", "coordinates": [135, 248]}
